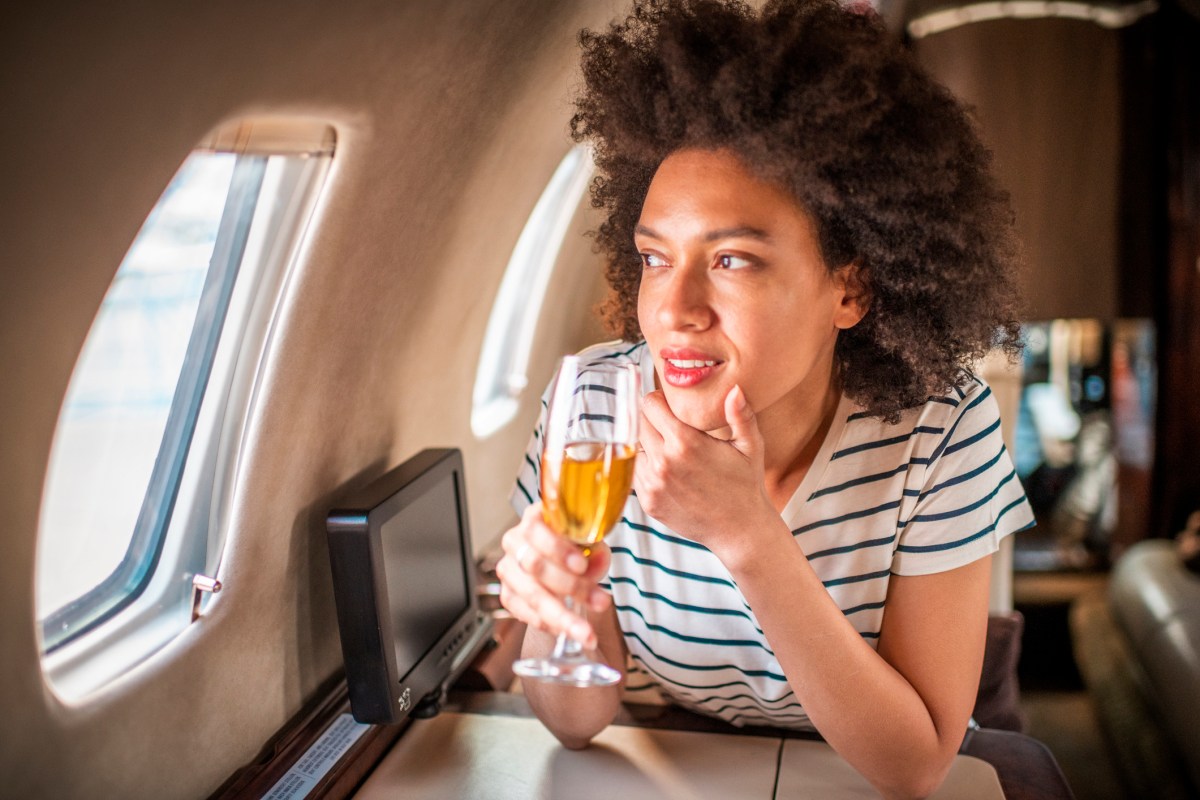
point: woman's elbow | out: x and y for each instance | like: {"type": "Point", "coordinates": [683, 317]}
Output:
{"type": "Point", "coordinates": [911, 790]}
{"type": "Point", "coordinates": [571, 715]}
{"type": "Point", "coordinates": [918, 780]}
{"type": "Point", "coordinates": [577, 734]}
{"type": "Point", "coordinates": [572, 742]}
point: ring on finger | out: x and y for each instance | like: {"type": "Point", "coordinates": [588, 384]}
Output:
{"type": "Point", "coordinates": [520, 556]}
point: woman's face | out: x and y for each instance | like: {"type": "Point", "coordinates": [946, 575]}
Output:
{"type": "Point", "coordinates": [734, 291]}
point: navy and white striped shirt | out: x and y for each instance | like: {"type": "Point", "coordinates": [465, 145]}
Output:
{"type": "Point", "coordinates": [934, 491]}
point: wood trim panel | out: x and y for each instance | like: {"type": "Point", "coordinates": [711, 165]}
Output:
{"type": "Point", "coordinates": [277, 757]}
{"type": "Point", "coordinates": [490, 671]}
{"type": "Point", "coordinates": [1177, 480]}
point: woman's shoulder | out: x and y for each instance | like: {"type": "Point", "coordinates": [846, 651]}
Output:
{"type": "Point", "coordinates": [971, 397]}
{"type": "Point", "coordinates": [971, 394]}
{"type": "Point", "coordinates": [616, 350]}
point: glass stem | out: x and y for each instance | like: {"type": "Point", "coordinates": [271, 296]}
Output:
{"type": "Point", "coordinates": [565, 646]}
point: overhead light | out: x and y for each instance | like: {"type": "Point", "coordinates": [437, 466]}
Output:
{"type": "Point", "coordinates": [1109, 16]}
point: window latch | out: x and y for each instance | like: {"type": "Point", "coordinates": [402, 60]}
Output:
{"type": "Point", "coordinates": [200, 585]}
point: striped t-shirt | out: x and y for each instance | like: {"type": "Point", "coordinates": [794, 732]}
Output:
{"type": "Point", "coordinates": [932, 492]}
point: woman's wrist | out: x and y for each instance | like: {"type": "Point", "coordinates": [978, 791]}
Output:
{"type": "Point", "coordinates": [755, 541]}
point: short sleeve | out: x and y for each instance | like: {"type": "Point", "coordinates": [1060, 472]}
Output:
{"type": "Point", "coordinates": [970, 497]}
{"type": "Point", "coordinates": [527, 487]}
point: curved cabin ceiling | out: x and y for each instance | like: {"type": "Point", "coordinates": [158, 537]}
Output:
{"type": "Point", "coordinates": [450, 119]}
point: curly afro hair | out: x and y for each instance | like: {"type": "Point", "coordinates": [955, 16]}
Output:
{"type": "Point", "coordinates": [821, 101]}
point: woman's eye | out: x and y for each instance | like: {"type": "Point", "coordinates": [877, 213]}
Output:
{"type": "Point", "coordinates": [727, 261]}
{"type": "Point", "coordinates": [650, 260]}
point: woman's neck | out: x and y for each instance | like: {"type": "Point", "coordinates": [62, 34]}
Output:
{"type": "Point", "coordinates": [792, 437]}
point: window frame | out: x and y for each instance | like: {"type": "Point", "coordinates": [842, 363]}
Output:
{"type": "Point", "coordinates": [501, 375]}
{"type": "Point", "coordinates": [263, 252]}
{"type": "Point", "coordinates": [130, 578]}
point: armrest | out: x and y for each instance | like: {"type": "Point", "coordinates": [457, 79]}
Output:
{"type": "Point", "coordinates": [1155, 600]}
{"type": "Point", "coordinates": [1026, 768]}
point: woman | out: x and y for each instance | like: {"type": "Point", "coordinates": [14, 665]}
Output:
{"type": "Point", "coordinates": [807, 252]}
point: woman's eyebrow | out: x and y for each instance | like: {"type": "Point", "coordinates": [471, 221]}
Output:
{"type": "Point", "coordinates": [738, 232]}
{"type": "Point", "coordinates": [735, 232]}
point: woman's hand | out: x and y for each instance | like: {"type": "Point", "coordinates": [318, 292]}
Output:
{"type": "Point", "coordinates": [540, 568]}
{"type": "Point", "coordinates": [702, 487]}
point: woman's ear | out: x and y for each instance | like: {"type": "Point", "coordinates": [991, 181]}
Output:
{"type": "Point", "coordinates": [854, 295]}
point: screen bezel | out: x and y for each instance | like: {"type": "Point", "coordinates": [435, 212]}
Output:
{"type": "Point", "coordinates": [388, 510]}
{"type": "Point", "coordinates": [378, 693]}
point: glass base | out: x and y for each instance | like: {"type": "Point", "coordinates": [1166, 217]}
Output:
{"type": "Point", "coordinates": [567, 671]}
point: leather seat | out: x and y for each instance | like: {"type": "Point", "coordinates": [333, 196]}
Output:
{"type": "Point", "coordinates": [1138, 647]}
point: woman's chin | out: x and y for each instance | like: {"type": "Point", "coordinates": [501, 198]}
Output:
{"type": "Point", "coordinates": [701, 415]}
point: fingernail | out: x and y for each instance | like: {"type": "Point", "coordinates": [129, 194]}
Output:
{"type": "Point", "coordinates": [596, 598]}
{"type": "Point", "coordinates": [577, 563]}
{"type": "Point", "coordinates": [580, 633]}
{"type": "Point", "coordinates": [740, 400]}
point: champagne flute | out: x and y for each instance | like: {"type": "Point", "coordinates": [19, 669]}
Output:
{"type": "Point", "coordinates": [589, 442]}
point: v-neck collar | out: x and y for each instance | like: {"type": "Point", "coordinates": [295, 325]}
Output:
{"type": "Point", "coordinates": [816, 470]}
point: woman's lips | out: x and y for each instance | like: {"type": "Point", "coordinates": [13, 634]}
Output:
{"type": "Point", "coordinates": [686, 368]}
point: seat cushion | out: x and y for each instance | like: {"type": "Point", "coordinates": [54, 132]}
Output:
{"type": "Point", "coordinates": [1156, 602]}
{"type": "Point", "coordinates": [1135, 731]}
{"type": "Point", "coordinates": [998, 703]}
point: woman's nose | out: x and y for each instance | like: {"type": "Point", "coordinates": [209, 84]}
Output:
{"type": "Point", "coordinates": [684, 303]}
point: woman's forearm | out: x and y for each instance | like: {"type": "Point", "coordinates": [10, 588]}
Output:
{"type": "Point", "coordinates": [861, 705]}
{"type": "Point", "coordinates": [574, 715]}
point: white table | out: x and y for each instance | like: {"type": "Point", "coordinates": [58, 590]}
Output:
{"type": "Point", "coordinates": [466, 755]}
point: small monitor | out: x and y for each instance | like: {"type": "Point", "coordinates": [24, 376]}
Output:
{"type": "Point", "coordinates": [404, 584]}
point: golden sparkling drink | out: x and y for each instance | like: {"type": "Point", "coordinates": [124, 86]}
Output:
{"type": "Point", "coordinates": [582, 499]}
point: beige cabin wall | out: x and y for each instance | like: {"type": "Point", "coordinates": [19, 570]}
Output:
{"type": "Point", "coordinates": [450, 119]}
{"type": "Point", "coordinates": [1046, 95]}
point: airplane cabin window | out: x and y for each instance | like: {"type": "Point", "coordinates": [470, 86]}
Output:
{"type": "Point", "coordinates": [148, 433]}
{"type": "Point", "coordinates": [501, 375]}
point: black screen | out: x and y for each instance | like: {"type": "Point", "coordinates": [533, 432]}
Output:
{"type": "Point", "coordinates": [427, 588]}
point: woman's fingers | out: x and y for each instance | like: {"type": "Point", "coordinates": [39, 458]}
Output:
{"type": "Point", "coordinates": [529, 602]}
{"type": "Point", "coordinates": [598, 600]}
{"type": "Point", "coordinates": [550, 548]}
{"type": "Point", "coordinates": [532, 531]}
{"type": "Point", "coordinates": [539, 568]}
{"type": "Point", "coordinates": [528, 557]}
{"type": "Point", "coordinates": [650, 440]}
{"type": "Point", "coordinates": [597, 562]}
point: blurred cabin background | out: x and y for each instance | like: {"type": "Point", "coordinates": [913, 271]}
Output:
{"type": "Point", "coordinates": [1093, 115]}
